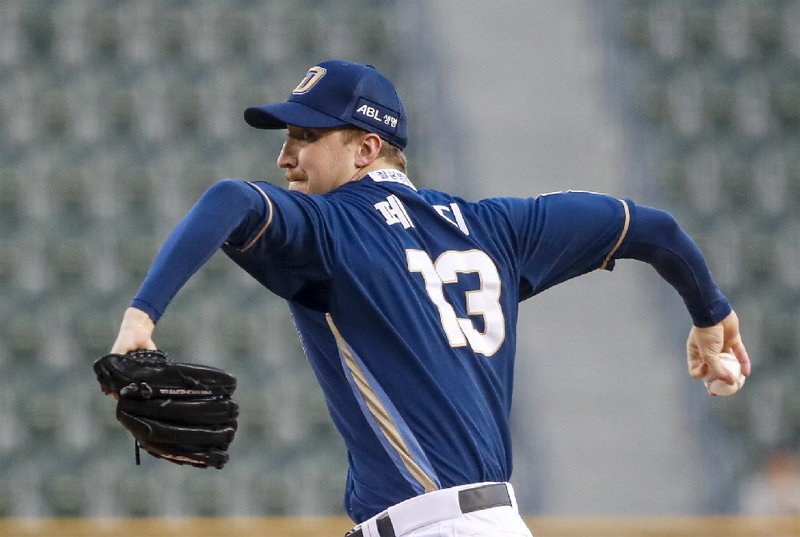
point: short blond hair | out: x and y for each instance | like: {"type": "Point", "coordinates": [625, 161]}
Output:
{"type": "Point", "coordinates": [393, 155]}
{"type": "Point", "coordinates": [390, 153]}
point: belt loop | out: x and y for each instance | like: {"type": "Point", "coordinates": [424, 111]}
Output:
{"type": "Point", "coordinates": [383, 525]}
{"type": "Point", "coordinates": [385, 528]}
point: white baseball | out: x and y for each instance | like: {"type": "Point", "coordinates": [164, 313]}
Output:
{"type": "Point", "coordinates": [720, 387]}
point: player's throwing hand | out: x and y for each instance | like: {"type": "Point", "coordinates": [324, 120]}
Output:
{"type": "Point", "coordinates": [705, 344]}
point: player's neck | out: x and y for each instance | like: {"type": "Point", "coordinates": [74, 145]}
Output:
{"type": "Point", "coordinates": [378, 164]}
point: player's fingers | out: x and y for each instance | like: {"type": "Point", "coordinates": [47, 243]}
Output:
{"type": "Point", "coordinates": [738, 349]}
{"type": "Point", "coordinates": [716, 370]}
{"type": "Point", "coordinates": [733, 341]}
{"type": "Point", "coordinates": [700, 345]}
{"type": "Point", "coordinates": [697, 368]}
{"type": "Point", "coordinates": [125, 345]}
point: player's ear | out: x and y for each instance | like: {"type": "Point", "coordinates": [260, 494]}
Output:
{"type": "Point", "coordinates": [368, 149]}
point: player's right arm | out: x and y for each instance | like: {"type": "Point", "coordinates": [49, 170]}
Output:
{"type": "Point", "coordinates": [705, 343]}
{"type": "Point", "coordinates": [657, 239]}
{"type": "Point", "coordinates": [567, 234]}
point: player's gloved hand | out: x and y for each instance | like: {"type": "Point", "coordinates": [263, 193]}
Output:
{"type": "Point", "coordinates": [705, 344]}
{"type": "Point", "coordinates": [180, 412]}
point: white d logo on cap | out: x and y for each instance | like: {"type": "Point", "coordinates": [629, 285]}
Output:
{"type": "Point", "coordinates": [313, 76]}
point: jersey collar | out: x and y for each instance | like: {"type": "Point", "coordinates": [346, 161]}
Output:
{"type": "Point", "coordinates": [391, 175]}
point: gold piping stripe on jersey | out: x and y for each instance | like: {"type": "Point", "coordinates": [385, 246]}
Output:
{"type": "Point", "coordinates": [621, 235]}
{"type": "Point", "coordinates": [379, 412]}
{"type": "Point", "coordinates": [269, 219]}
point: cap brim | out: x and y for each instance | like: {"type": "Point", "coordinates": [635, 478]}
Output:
{"type": "Point", "coordinates": [278, 115]}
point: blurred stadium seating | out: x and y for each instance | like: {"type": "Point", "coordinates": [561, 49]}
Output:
{"type": "Point", "coordinates": [715, 86]}
{"type": "Point", "coordinates": [116, 116]}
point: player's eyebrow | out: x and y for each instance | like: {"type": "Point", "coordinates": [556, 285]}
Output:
{"type": "Point", "coordinates": [309, 133]}
{"type": "Point", "coordinates": [301, 133]}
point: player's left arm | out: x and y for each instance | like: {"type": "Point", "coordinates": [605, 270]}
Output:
{"type": "Point", "coordinates": [228, 209]}
{"type": "Point", "coordinates": [135, 332]}
{"type": "Point", "coordinates": [656, 238]}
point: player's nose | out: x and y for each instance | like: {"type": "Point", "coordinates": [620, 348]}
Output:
{"type": "Point", "coordinates": [286, 158]}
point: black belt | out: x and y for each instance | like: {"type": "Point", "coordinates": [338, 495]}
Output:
{"type": "Point", "coordinates": [469, 500]}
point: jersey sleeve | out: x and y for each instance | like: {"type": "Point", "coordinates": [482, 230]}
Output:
{"type": "Point", "coordinates": [290, 252]}
{"type": "Point", "coordinates": [563, 235]}
{"type": "Point", "coordinates": [656, 238]}
{"type": "Point", "coordinates": [276, 235]}
{"type": "Point", "coordinates": [227, 209]}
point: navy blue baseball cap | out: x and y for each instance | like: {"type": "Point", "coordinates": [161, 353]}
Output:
{"type": "Point", "coordinates": [336, 93]}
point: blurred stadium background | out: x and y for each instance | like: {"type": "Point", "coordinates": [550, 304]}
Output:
{"type": "Point", "coordinates": [116, 114]}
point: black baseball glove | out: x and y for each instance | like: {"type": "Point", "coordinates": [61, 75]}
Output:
{"type": "Point", "coordinates": [180, 412]}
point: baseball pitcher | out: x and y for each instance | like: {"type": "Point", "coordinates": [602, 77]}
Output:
{"type": "Point", "coordinates": [406, 302]}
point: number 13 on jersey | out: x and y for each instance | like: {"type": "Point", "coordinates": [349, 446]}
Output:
{"type": "Point", "coordinates": [484, 301]}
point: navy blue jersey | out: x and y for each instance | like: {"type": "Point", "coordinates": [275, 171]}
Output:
{"type": "Point", "coordinates": [406, 302]}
